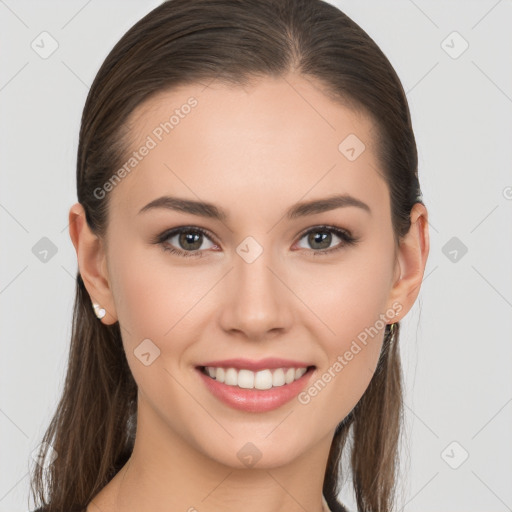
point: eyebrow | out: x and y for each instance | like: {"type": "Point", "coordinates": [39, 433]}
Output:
{"type": "Point", "coordinates": [209, 210]}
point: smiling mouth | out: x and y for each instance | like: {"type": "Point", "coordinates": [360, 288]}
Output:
{"type": "Point", "coordinates": [260, 380]}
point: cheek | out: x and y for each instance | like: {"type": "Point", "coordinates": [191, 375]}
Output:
{"type": "Point", "coordinates": [349, 297]}
{"type": "Point", "coordinates": [151, 304]}
{"type": "Point", "coordinates": [353, 306]}
{"type": "Point", "coordinates": [154, 299]}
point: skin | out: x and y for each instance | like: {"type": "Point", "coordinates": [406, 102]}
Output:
{"type": "Point", "coordinates": [254, 152]}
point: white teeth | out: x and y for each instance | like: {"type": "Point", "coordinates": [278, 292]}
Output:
{"type": "Point", "coordinates": [245, 379]}
{"type": "Point", "coordinates": [231, 377]}
{"type": "Point", "coordinates": [278, 377]}
{"type": "Point", "coordinates": [289, 375]}
{"type": "Point", "coordinates": [299, 372]}
{"type": "Point", "coordinates": [263, 379]}
{"type": "Point", "coordinates": [219, 375]}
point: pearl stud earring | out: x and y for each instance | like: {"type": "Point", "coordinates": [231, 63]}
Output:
{"type": "Point", "coordinates": [100, 312]}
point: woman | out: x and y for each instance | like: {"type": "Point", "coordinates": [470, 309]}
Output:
{"type": "Point", "coordinates": [249, 232]}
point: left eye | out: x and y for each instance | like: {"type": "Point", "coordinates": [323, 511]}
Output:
{"type": "Point", "coordinates": [323, 236]}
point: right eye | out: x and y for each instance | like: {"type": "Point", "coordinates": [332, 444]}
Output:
{"type": "Point", "coordinates": [189, 239]}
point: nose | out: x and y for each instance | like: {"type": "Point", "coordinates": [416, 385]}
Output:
{"type": "Point", "coordinates": [258, 305]}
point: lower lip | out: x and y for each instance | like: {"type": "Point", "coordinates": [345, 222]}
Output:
{"type": "Point", "coordinates": [255, 400]}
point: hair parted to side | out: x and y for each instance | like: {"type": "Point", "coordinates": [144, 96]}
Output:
{"type": "Point", "coordinates": [189, 41]}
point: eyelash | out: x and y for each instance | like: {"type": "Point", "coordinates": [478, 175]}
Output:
{"type": "Point", "coordinates": [346, 237]}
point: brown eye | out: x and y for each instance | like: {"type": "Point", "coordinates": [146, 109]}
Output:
{"type": "Point", "coordinates": [185, 241]}
{"type": "Point", "coordinates": [319, 239]}
{"type": "Point", "coordinates": [190, 240]}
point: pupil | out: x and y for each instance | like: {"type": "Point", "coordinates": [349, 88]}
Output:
{"type": "Point", "coordinates": [323, 239]}
{"type": "Point", "coordinates": [190, 238]}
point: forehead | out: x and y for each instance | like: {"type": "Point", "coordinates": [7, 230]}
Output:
{"type": "Point", "coordinates": [277, 140]}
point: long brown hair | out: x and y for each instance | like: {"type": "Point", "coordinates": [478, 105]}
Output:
{"type": "Point", "coordinates": [185, 42]}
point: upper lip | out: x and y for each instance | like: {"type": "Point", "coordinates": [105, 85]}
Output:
{"type": "Point", "coordinates": [262, 364]}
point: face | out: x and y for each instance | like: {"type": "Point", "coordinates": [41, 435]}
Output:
{"type": "Point", "coordinates": [249, 280]}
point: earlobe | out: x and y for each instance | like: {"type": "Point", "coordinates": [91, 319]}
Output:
{"type": "Point", "coordinates": [412, 258]}
{"type": "Point", "coordinates": [92, 264]}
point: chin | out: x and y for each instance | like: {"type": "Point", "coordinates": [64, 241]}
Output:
{"type": "Point", "coordinates": [254, 451]}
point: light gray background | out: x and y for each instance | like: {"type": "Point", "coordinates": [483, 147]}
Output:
{"type": "Point", "coordinates": [456, 341]}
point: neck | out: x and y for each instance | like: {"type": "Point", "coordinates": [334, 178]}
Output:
{"type": "Point", "coordinates": [165, 472]}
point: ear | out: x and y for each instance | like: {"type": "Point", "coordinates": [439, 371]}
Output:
{"type": "Point", "coordinates": [412, 255]}
{"type": "Point", "coordinates": [92, 262]}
